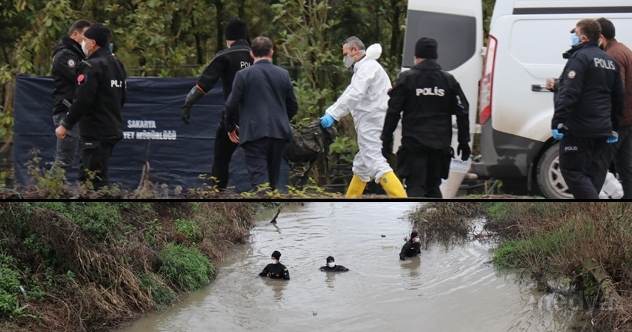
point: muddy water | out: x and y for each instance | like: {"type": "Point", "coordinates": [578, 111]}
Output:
{"type": "Point", "coordinates": [443, 290]}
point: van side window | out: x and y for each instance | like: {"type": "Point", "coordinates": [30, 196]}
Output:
{"type": "Point", "coordinates": [456, 36]}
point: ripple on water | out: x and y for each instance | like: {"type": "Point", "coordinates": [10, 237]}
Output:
{"type": "Point", "coordinates": [443, 289]}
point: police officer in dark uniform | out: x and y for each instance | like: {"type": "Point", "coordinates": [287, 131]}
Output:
{"type": "Point", "coordinates": [101, 93]}
{"type": "Point", "coordinates": [225, 64]}
{"type": "Point", "coordinates": [428, 97]}
{"type": "Point", "coordinates": [275, 269]}
{"type": "Point", "coordinates": [67, 56]}
{"type": "Point", "coordinates": [412, 247]}
{"type": "Point", "coordinates": [588, 108]}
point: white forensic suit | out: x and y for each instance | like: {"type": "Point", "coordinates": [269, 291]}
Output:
{"type": "Point", "coordinates": [367, 100]}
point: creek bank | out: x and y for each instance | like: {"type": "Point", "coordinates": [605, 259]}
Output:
{"type": "Point", "coordinates": [584, 247]}
{"type": "Point", "coordinates": [78, 266]}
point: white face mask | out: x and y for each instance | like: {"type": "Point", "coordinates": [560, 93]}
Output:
{"type": "Point", "coordinates": [416, 240]}
{"type": "Point", "coordinates": [331, 264]}
{"type": "Point", "coordinates": [348, 61]}
{"type": "Point", "coordinates": [83, 47]}
{"type": "Point", "coordinates": [274, 261]}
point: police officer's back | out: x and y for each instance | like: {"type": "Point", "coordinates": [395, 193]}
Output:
{"type": "Point", "coordinates": [426, 97]}
{"type": "Point", "coordinates": [224, 65]}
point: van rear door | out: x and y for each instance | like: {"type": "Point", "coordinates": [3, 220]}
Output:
{"type": "Point", "coordinates": [457, 25]}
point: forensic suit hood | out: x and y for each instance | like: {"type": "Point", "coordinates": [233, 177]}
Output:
{"type": "Point", "coordinates": [366, 98]}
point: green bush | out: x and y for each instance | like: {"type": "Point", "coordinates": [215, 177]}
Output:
{"type": "Point", "coordinates": [188, 228]}
{"type": "Point", "coordinates": [9, 286]}
{"type": "Point", "coordinates": [95, 219]}
{"type": "Point", "coordinates": [160, 293]}
{"type": "Point", "coordinates": [510, 254]}
{"type": "Point", "coordinates": [186, 267]}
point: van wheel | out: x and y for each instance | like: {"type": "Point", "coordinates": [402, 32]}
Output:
{"type": "Point", "coordinates": [549, 175]}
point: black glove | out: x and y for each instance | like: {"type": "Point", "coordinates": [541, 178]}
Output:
{"type": "Point", "coordinates": [185, 114]}
{"type": "Point", "coordinates": [464, 150]}
{"type": "Point", "coordinates": [387, 149]}
{"type": "Point", "coordinates": [402, 258]}
{"type": "Point", "coordinates": [194, 95]}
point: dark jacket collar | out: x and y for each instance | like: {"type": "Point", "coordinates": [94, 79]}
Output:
{"type": "Point", "coordinates": [239, 42]}
{"type": "Point", "coordinates": [69, 44]}
{"type": "Point", "coordinates": [427, 64]}
{"type": "Point", "coordinates": [568, 53]}
{"type": "Point", "coordinates": [100, 53]}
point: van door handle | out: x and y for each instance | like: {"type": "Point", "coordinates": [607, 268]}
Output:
{"type": "Point", "coordinates": [539, 88]}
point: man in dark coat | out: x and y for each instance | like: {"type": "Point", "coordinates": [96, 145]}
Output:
{"type": "Point", "coordinates": [101, 93]}
{"type": "Point", "coordinates": [66, 59]}
{"type": "Point", "coordinates": [621, 151]}
{"type": "Point", "coordinates": [412, 247]}
{"type": "Point", "coordinates": [258, 113]}
{"type": "Point", "coordinates": [225, 65]}
{"type": "Point", "coordinates": [275, 270]}
{"type": "Point", "coordinates": [588, 110]}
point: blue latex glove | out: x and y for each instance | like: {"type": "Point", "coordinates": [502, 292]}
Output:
{"type": "Point", "coordinates": [556, 134]}
{"type": "Point", "coordinates": [612, 139]}
{"type": "Point", "coordinates": [326, 121]}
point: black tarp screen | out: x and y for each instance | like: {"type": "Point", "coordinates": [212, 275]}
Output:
{"type": "Point", "coordinates": [178, 154]}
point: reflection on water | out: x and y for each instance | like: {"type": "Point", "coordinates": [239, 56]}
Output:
{"type": "Point", "coordinates": [446, 290]}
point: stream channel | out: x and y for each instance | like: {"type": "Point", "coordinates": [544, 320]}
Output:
{"type": "Point", "coordinates": [444, 289]}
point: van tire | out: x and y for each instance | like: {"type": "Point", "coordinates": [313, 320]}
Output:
{"type": "Point", "coordinates": [549, 176]}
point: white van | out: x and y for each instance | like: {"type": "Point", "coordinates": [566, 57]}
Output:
{"type": "Point", "coordinates": [525, 46]}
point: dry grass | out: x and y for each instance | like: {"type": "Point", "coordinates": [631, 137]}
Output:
{"type": "Point", "coordinates": [106, 289]}
{"type": "Point", "coordinates": [554, 240]}
{"type": "Point", "coordinates": [447, 223]}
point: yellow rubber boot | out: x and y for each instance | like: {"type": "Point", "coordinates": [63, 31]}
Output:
{"type": "Point", "coordinates": [392, 185]}
{"type": "Point", "coordinates": [356, 188]}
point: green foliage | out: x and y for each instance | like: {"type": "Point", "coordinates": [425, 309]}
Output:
{"type": "Point", "coordinates": [10, 288]}
{"type": "Point", "coordinates": [510, 254]}
{"type": "Point", "coordinates": [9, 285]}
{"type": "Point", "coordinates": [49, 181]}
{"type": "Point", "coordinates": [533, 252]}
{"type": "Point", "coordinates": [498, 211]}
{"type": "Point", "coordinates": [96, 219]}
{"type": "Point", "coordinates": [185, 267]}
{"type": "Point", "coordinates": [188, 228]}
{"type": "Point", "coordinates": [589, 284]}
{"type": "Point", "coordinates": [345, 147]}
{"type": "Point", "coordinates": [161, 294]}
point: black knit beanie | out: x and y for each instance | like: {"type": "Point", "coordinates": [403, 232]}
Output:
{"type": "Point", "coordinates": [236, 29]}
{"type": "Point", "coordinates": [414, 234]}
{"type": "Point", "coordinates": [426, 48]}
{"type": "Point", "coordinates": [99, 33]}
{"type": "Point", "coordinates": [276, 255]}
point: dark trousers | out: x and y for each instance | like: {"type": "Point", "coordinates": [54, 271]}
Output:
{"type": "Point", "coordinates": [425, 170]}
{"type": "Point", "coordinates": [66, 147]}
{"type": "Point", "coordinates": [621, 153]}
{"type": "Point", "coordinates": [263, 160]}
{"type": "Point", "coordinates": [581, 165]}
{"type": "Point", "coordinates": [95, 161]}
{"type": "Point", "coordinates": [222, 154]}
